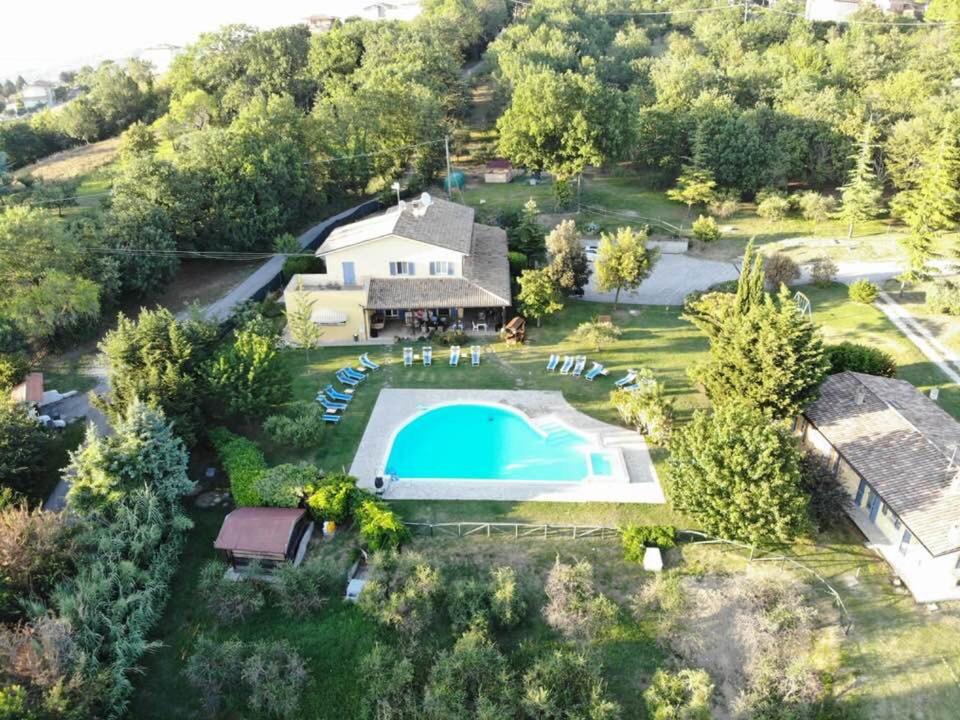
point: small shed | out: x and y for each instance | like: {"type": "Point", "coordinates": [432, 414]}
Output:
{"type": "Point", "coordinates": [30, 391]}
{"type": "Point", "coordinates": [499, 170]}
{"type": "Point", "coordinates": [515, 331]}
{"type": "Point", "coordinates": [270, 536]}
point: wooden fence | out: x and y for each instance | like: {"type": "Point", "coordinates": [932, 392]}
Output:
{"type": "Point", "coordinates": [513, 530]}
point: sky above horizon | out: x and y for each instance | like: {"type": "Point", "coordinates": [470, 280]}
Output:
{"type": "Point", "coordinates": [51, 35]}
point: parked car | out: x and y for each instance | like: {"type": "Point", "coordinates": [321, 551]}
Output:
{"type": "Point", "coordinates": [591, 251]}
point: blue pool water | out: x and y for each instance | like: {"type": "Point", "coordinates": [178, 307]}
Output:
{"type": "Point", "coordinates": [601, 464]}
{"type": "Point", "coordinates": [485, 442]}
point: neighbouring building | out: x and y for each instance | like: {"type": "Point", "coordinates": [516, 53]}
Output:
{"type": "Point", "coordinates": [268, 536]}
{"type": "Point", "coordinates": [422, 264]}
{"type": "Point", "coordinates": [161, 57]}
{"type": "Point", "coordinates": [897, 453]}
{"type": "Point", "coordinates": [320, 24]}
{"type": "Point", "coordinates": [397, 10]}
{"type": "Point", "coordinates": [38, 95]}
{"type": "Point", "coordinates": [499, 170]}
{"type": "Point", "coordinates": [841, 10]}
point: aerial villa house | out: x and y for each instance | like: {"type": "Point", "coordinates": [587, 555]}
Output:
{"type": "Point", "coordinates": [268, 536]}
{"type": "Point", "coordinates": [898, 456]}
{"type": "Point", "coordinates": [420, 265]}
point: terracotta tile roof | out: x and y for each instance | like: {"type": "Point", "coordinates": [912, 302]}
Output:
{"type": "Point", "coordinates": [258, 531]}
{"type": "Point", "coordinates": [901, 443]}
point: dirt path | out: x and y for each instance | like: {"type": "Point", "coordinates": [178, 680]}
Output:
{"type": "Point", "coordinates": [926, 342]}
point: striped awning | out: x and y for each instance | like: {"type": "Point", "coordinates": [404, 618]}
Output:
{"type": "Point", "coordinates": [326, 316]}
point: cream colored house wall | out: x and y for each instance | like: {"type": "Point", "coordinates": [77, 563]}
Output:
{"type": "Point", "coordinates": [347, 301]}
{"type": "Point", "coordinates": [373, 258]}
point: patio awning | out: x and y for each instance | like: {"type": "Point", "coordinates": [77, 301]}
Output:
{"type": "Point", "coordinates": [326, 316]}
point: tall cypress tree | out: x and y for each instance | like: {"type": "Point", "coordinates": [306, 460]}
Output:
{"type": "Point", "coordinates": [861, 195]}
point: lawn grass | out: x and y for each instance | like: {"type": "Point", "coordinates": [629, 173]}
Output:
{"type": "Point", "coordinates": [842, 319]}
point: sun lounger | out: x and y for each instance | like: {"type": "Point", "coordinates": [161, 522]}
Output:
{"type": "Point", "coordinates": [331, 418]}
{"type": "Point", "coordinates": [428, 355]}
{"type": "Point", "coordinates": [553, 362]}
{"type": "Point", "coordinates": [626, 379]}
{"type": "Point", "coordinates": [567, 365]}
{"type": "Point", "coordinates": [338, 396]}
{"type": "Point", "coordinates": [579, 366]}
{"type": "Point", "coordinates": [356, 375]}
{"type": "Point", "coordinates": [475, 355]}
{"type": "Point", "coordinates": [454, 355]}
{"type": "Point", "coordinates": [347, 380]}
{"type": "Point", "coordinates": [368, 363]}
{"type": "Point", "coordinates": [596, 370]}
{"type": "Point", "coordinates": [327, 405]}
{"type": "Point", "coordinates": [408, 356]}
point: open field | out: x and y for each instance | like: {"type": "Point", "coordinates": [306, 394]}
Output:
{"type": "Point", "coordinates": [74, 162]}
{"type": "Point", "coordinates": [945, 328]}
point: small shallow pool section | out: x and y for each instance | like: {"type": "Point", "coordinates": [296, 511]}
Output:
{"type": "Point", "coordinates": [489, 442]}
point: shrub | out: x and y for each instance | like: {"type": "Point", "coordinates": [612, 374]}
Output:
{"type": "Point", "coordinates": [816, 207]}
{"type": "Point", "coordinates": [597, 334]}
{"type": "Point", "coordinates": [724, 205]}
{"type": "Point", "coordinates": [705, 229]}
{"type": "Point", "coordinates": [573, 607]}
{"type": "Point", "coordinates": [778, 269]}
{"type": "Point", "coordinates": [860, 358]}
{"type": "Point", "coordinates": [401, 592]}
{"type": "Point", "coordinates": [507, 603]}
{"type": "Point", "coordinates": [274, 675]}
{"type": "Point", "coordinates": [773, 206]}
{"type": "Point", "coordinates": [286, 485]}
{"type": "Point", "coordinates": [214, 668]}
{"type": "Point", "coordinates": [302, 428]}
{"type": "Point", "coordinates": [864, 291]}
{"type": "Point", "coordinates": [566, 685]}
{"type": "Point", "coordinates": [636, 538]}
{"type": "Point", "coordinates": [662, 595]}
{"type": "Point", "coordinates": [683, 695]}
{"type": "Point", "coordinates": [335, 498]}
{"type": "Point", "coordinates": [451, 337]}
{"type": "Point", "coordinates": [468, 604]}
{"type": "Point", "coordinates": [243, 463]}
{"type": "Point", "coordinates": [823, 271]}
{"type": "Point", "coordinates": [380, 526]}
{"type": "Point", "coordinates": [646, 408]}
{"type": "Point", "coordinates": [13, 368]}
{"type": "Point", "coordinates": [944, 298]}
{"type": "Point", "coordinates": [303, 265]}
{"type": "Point", "coordinates": [828, 498]}
{"type": "Point", "coordinates": [518, 262]}
{"type": "Point", "coordinates": [389, 692]}
{"type": "Point", "coordinates": [36, 551]}
{"type": "Point", "coordinates": [229, 601]}
{"type": "Point", "coordinates": [304, 589]}
{"type": "Point", "coordinates": [13, 703]}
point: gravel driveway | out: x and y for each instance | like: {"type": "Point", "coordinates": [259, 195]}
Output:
{"type": "Point", "coordinates": [673, 277]}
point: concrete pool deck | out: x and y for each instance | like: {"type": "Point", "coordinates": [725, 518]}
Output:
{"type": "Point", "coordinates": [394, 407]}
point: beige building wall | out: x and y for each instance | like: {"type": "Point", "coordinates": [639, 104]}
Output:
{"type": "Point", "coordinates": [348, 301]}
{"type": "Point", "coordinates": [373, 258]}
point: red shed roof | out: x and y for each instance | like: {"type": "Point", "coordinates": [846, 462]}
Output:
{"type": "Point", "coordinates": [30, 390]}
{"type": "Point", "coordinates": [259, 531]}
{"type": "Point", "coordinates": [499, 164]}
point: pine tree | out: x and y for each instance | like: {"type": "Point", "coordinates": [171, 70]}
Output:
{"type": "Point", "coordinates": [303, 330]}
{"type": "Point", "coordinates": [862, 194]}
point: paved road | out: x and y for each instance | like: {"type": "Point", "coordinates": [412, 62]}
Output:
{"type": "Point", "coordinates": [672, 279]}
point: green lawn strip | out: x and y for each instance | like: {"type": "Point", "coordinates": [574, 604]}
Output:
{"type": "Point", "coordinates": [842, 319]}
{"type": "Point", "coordinates": [65, 373]}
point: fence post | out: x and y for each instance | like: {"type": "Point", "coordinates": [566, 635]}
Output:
{"type": "Point", "coordinates": [545, 526]}
{"type": "Point", "coordinates": [488, 529]}
{"type": "Point", "coordinates": [574, 532]}
{"type": "Point", "coordinates": [516, 531]}
{"type": "Point", "coordinates": [459, 529]}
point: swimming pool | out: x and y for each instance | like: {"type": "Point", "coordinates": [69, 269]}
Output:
{"type": "Point", "coordinates": [490, 442]}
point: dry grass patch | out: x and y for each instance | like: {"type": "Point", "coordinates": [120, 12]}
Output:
{"type": "Point", "coordinates": [75, 162]}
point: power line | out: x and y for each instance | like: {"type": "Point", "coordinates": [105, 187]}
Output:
{"type": "Point", "coordinates": [855, 21]}
{"type": "Point", "coordinates": [378, 152]}
{"type": "Point", "coordinates": [640, 13]}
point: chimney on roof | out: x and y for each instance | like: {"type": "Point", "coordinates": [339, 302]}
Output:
{"type": "Point", "coordinates": [860, 396]}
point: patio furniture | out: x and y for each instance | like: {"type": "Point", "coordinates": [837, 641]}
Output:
{"type": "Point", "coordinates": [553, 362]}
{"type": "Point", "coordinates": [335, 394]}
{"type": "Point", "coordinates": [626, 379]}
{"type": "Point", "coordinates": [354, 373]}
{"type": "Point", "coordinates": [331, 418]}
{"type": "Point", "coordinates": [427, 355]}
{"type": "Point", "coordinates": [346, 379]}
{"type": "Point", "coordinates": [515, 331]}
{"type": "Point", "coordinates": [579, 366]}
{"type": "Point", "coordinates": [596, 370]}
{"type": "Point", "coordinates": [454, 355]}
{"type": "Point", "coordinates": [478, 326]}
{"type": "Point", "coordinates": [567, 365]}
{"type": "Point", "coordinates": [408, 356]}
{"type": "Point", "coordinates": [475, 355]}
{"type": "Point", "coordinates": [368, 363]}
{"type": "Point", "coordinates": [331, 406]}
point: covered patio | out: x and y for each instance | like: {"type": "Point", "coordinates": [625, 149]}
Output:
{"type": "Point", "coordinates": [415, 322]}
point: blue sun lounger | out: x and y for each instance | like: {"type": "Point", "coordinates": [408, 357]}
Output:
{"type": "Point", "coordinates": [327, 405]}
{"type": "Point", "coordinates": [331, 419]}
{"type": "Point", "coordinates": [368, 363]}
{"type": "Point", "coordinates": [475, 355]}
{"type": "Point", "coordinates": [552, 363]}
{"type": "Point", "coordinates": [346, 379]}
{"type": "Point", "coordinates": [596, 370]}
{"type": "Point", "coordinates": [428, 355]}
{"type": "Point", "coordinates": [336, 395]}
{"type": "Point", "coordinates": [454, 355]}
{"type": "Point", "coordinates": [626, 379]}
{"type": "Point", "coordinates": [355, 374]}
{"type": "Point", "coordinates": [567, 365]}
{"type": "Point", "coordinates": [407, 356]}
{"type": "Point", "coordinates": [579, 366]}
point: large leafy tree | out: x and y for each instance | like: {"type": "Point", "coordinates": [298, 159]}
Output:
{"type": "Point", "coordinates": [861, 195]}
{"type": "Point", "coordinates": [738, 475]}
{"type": "Point", "coordinates": [539, 295]}
{"type": "Point", "coordinates": [568, 266]}
{"type": "Point", "coordinates": [623, 261]}
{"type": "Point", "coordinates": [159, 360]}
{"type": "Point", "coordinates": [249, 376]}
{"type": "Point", "coordinates": [143, 451]}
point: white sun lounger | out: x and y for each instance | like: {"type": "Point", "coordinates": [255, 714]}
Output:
{"type": "Point", "coordinates": [408, 356]}
{"type": "Point", "coordinates": [475, 355]}
{"type": "Point", "coordinates": [368, 363]}
{"type": "Point", "coordinates": [553, 362]}
{"type": "Point", "coordinates": [454, 355]}
{"type": "Point", "coordinates": [626, 379]}
{"type": "Point", "coordinates": [567, 365]}
{"type": "Point", "coordinates": [596, 370]}
{"type": "Point", "coordinates": [579, 366]}
{"type": "Point", "coordinates": [427, 355]}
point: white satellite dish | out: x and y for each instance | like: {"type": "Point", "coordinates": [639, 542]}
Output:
{"type": "Point", "coordinates": [426, 200]}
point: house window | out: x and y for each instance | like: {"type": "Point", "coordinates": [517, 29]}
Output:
{"type": "Point", "coordinates": [441, 267]}
{"type": "Point", "coordinates": [393, 313]}
{"type": "Point", "coordinates": [401, 267]}
{"type": "Point", "coordinates": [905, 542]}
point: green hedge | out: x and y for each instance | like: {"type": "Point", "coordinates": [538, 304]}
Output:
{"type": "Point", "coordinates": [860, 358]}
{"type": "Point", "coordinates": [637, 538]}
{"type": "Point", "coordinates": [303, 265]}
{"type": "Point", "coordinates": [335, 499]}
{"type": "Point", "coordinates": [380, 526]}
{"type": "Point", "coordinates": [243, 462]}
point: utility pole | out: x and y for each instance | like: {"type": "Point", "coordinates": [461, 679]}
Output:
{"type": "Point", "coordinates": [446, 146]}
{"type": "Point", "coordinates": [746, 10]}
